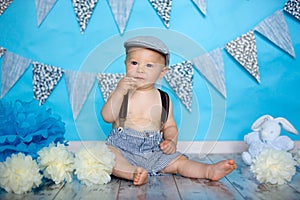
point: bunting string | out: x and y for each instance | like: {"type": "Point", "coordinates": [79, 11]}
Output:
{"type": "Point", "coordinates": [122, 9]}
{"type": "Point", "coordinates": [180, 75]}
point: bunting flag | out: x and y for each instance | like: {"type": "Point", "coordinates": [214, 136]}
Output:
{"type": "Point", "coordinates": [211, 66]}
{"type": "Point", "coordinates": [2, 50]}
{"type": "Point", "coordinates": [108, 82]}
{"type": "Point", "coordinates": [201, 4]}
{"type": "Point", "coordinates": [293, 7]}
{"type": "Point", "coordinates": [79, 85]}
{"type": "Point", "coordinates": [42, 9]}
{"type": "Point", "coordinates": [243, 49]}
{"type": "Point", "coordinates": [45, 79]}
{"type": "Point", "coordinates": [84, 10]}
{"type": "Point", "coordinates": [4, 5]}
{"type": "Point", "coordinates": [276, 30]}
{"type": "Point", "coordinates": [180, 77]}
{"type": "Point", "coordinates": [121, 11]}
{"type": "Point", "coordinates": [13, 67]}
{"type": "Point", "coordinates": [163, 9]}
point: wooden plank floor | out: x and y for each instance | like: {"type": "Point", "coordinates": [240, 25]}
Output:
{"type": "Point", "coordinates": [240, 184]}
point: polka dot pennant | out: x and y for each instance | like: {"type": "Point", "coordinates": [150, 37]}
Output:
{"type": "Point", "coordinates": [84, 10]}
{"type": "Point", "coordinates": [4, 5]}
{"type": "Point", "coordinates": [45, 79]}
{"type": "Point", "coordinates": [243, 49]}
{"type": "Point", "coordinates": [293, 7]}
{"type": "Point", "coordinates": [180, 78]}
{"type": "Point", "coordinates": [108, 82]}
{"type": "Point", "coordinates": [163, 9]}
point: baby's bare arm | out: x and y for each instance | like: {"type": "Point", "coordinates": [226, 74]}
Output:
{"type": "Point", "coordinates": [170, 134]}
{"type": "Point", "coordinates": [110, 110]}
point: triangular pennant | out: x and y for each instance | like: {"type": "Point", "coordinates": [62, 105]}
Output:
{"type": "Point", "coordinates": [2, 50]}
{"type": "Point", "coordinates": [79, 85]}
{"type": "Point", "coordinates": [201, 4]}
{"type": "Point", "coordinates": [13, 67]}
{"type": "Point", "coordinates": [276, 30]}
{"type": "Point", "coordinates": [108, 82]}
{"type": "Point", "coordinates": [3, 5]}
{"type": "Point", "coordinates": [293, 7]}
{"type": "Point", "coordinates": [211, 66]}
{"type": "Point", "coordinates": [163, 9]}
{"type": "Point", "coordinates": [42, 9]}
{"type": "Point", "coordinates": [121, 11]}
{"type": "Point", "coordinates": [45, 79]}
{"type": "Point", "coordinates": [243, 49]}
{"type": "Point", "coordinates": [84, 10]}
{"type": "Point", "coordinates": [180, 78]}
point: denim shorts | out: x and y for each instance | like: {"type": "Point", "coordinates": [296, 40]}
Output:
{"type": "Point", "coordinates": [141, 148]}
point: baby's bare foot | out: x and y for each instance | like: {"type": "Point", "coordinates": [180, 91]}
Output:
{"type": "Point", "coordinates": [221, 169]}
{"type": "Point", "coordinates": [140, 176]}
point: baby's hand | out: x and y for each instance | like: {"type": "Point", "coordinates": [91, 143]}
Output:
{"type": "Point", "coordinates": [126, 84]}
{"type": "Point", "coordinates": [168, 147]}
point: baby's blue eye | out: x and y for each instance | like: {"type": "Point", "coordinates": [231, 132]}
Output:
{"type": "Point", "coordinates": [149, 65]}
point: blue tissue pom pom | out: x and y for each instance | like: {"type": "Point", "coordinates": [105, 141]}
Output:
{"type": "Point", "coordinates": [27, 127]}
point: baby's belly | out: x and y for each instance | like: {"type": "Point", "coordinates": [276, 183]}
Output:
{"type": "Point", "coordinates": [141, 124]}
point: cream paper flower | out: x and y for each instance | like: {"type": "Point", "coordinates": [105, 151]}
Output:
{"type": "Point", "coordinates": [297, 157]}
{"type": "Point", "coordinates": [19, 174]}
{"type": "Point", "coordinates": [57, 163]}
{"type": "Point", "coordinates": [94, 164]}
{"type": "Point", "coordinates": [274, 166]}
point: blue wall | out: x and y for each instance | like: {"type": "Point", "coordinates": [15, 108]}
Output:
{"type": "Point", "coordinates": [59, 42]}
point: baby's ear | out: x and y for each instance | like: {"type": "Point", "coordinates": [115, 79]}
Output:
{"type": "Point", "coordinates": [164, 71]}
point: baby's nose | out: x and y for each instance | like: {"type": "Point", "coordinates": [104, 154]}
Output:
{"type": "Point", "coordinates": [140, 68]}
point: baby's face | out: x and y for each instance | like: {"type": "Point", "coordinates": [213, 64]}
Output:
{"type": "Point", "coordinates": [145, 65]}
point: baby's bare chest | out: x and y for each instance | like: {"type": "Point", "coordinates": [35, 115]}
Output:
{"type": "Point", "coordinates": [145, 110]}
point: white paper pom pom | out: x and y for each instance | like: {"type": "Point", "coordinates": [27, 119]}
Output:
{"type": "Point", "coordinates": [94, 164]}
{"type": "Point", "coordinates": [57, 163]}
{"type": "Point", "coordinates": [273, 166]}
{"type": "Point", "coordinates": [19, 174]}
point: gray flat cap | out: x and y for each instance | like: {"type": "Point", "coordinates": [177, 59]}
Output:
{"type": "Point", "coordinates": [149, 42]}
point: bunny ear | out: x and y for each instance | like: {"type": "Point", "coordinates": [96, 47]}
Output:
{"type": "Point", "coordinates": [286, 125]}
{"type": "Point", "coordinates": [256, 125]}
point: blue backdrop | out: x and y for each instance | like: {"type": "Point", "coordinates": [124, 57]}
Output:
{"type": "Point", "coordinates": [58, 42]}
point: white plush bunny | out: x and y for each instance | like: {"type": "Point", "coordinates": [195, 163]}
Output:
{"type": "Point", "coordinates": [266, 131]}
